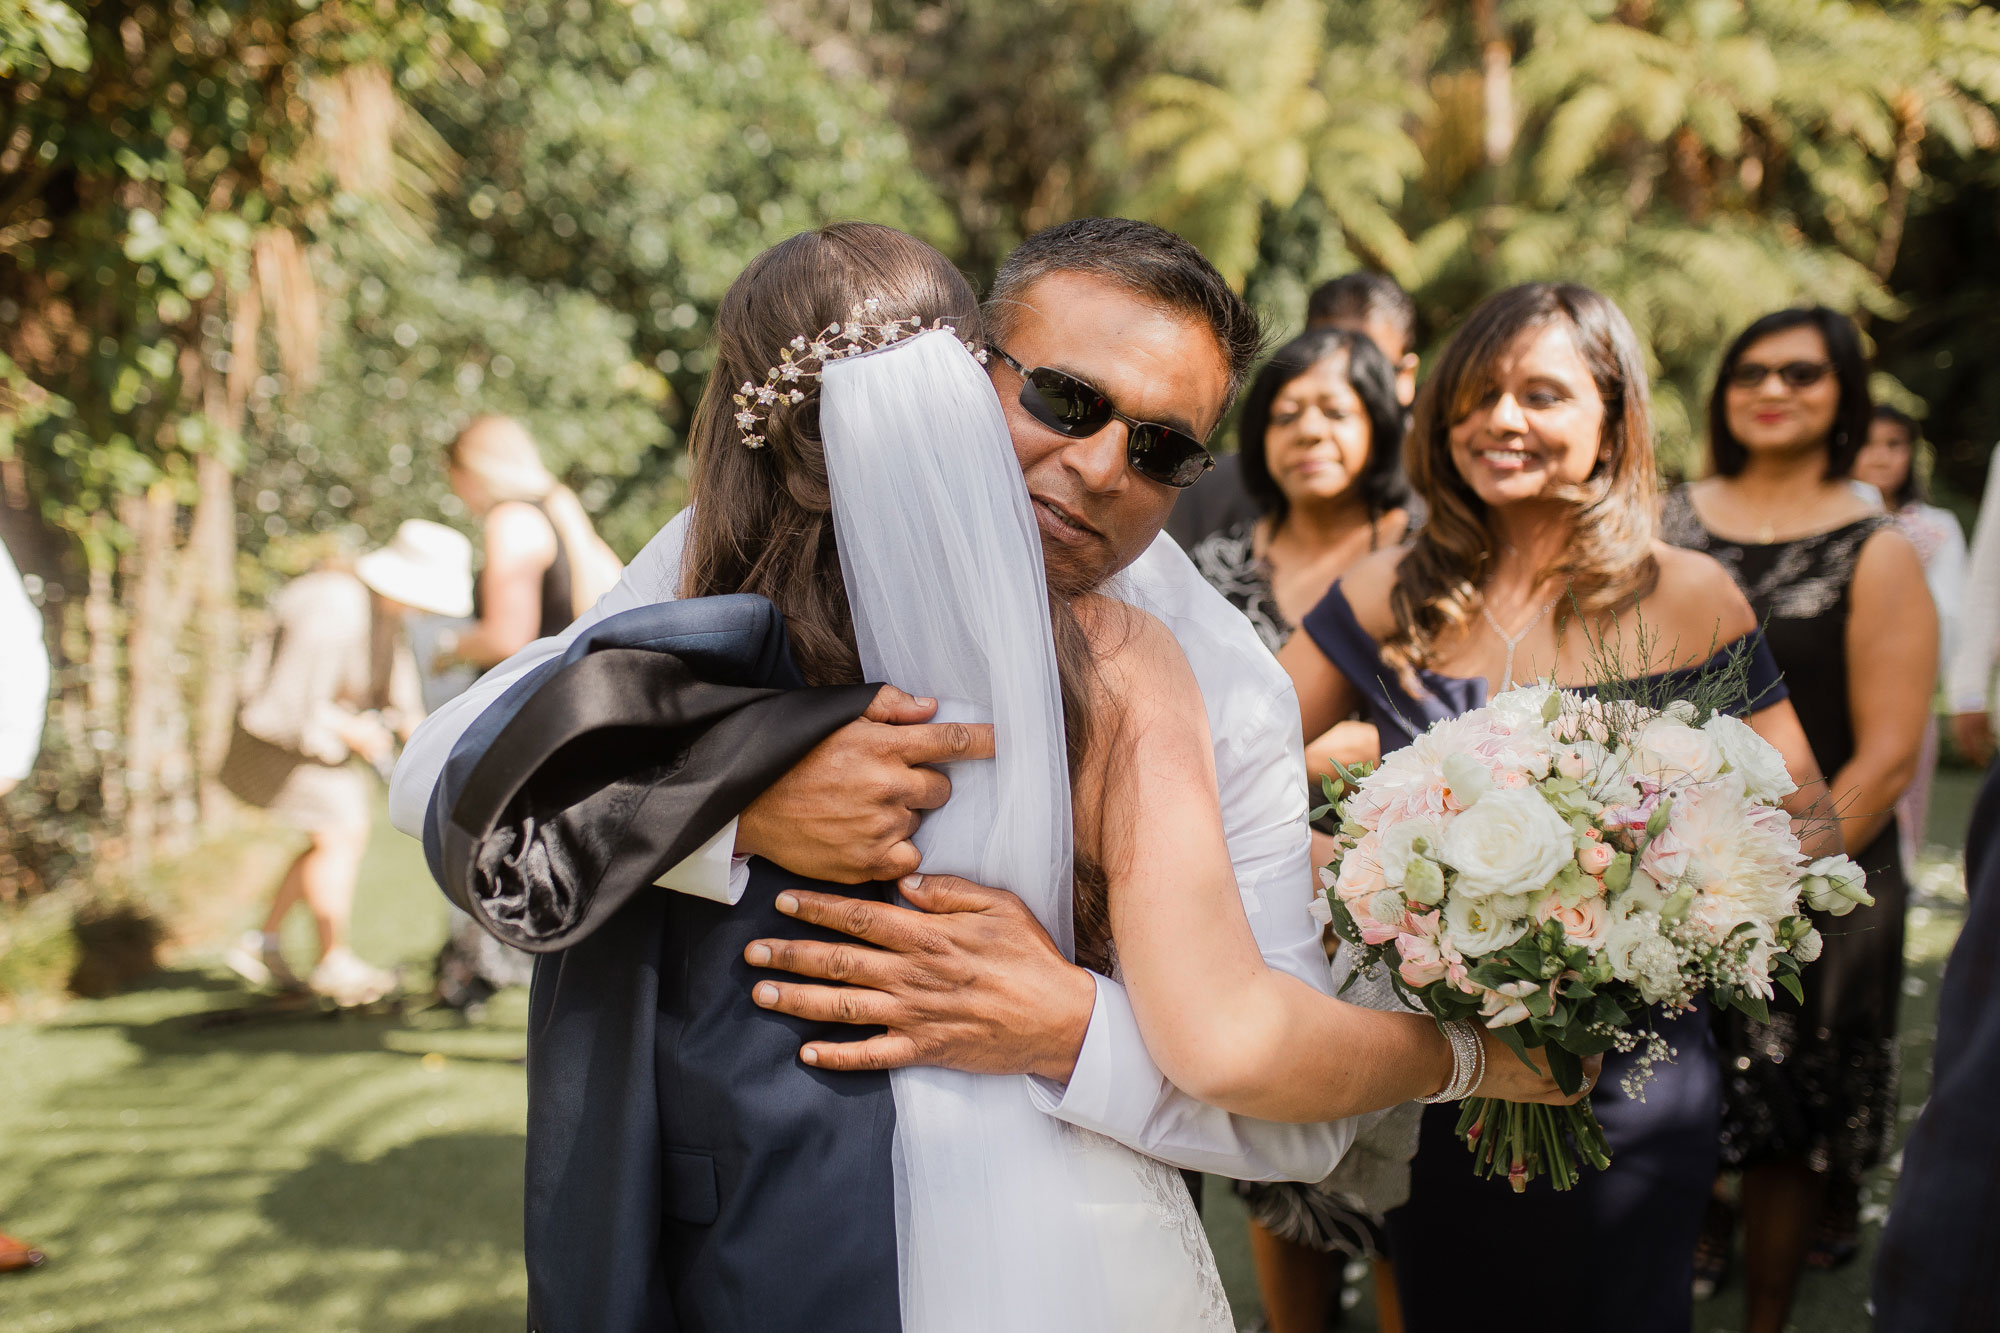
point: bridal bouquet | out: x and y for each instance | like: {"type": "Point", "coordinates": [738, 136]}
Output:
{"type": "Point", "coordinates": [1554, 866]}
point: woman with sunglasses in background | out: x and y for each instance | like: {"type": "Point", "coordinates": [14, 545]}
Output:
{"type": "Point", "coordinates": [1320, 437]}
{"type": "Point", "coordinates": [1810, 1097]}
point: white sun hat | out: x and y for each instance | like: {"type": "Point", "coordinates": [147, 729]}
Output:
{"type": "Point", "coordinates": [428, 566]}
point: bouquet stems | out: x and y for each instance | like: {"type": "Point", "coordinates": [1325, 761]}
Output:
{"type": "Point", "coordinates": [1522, 1141]}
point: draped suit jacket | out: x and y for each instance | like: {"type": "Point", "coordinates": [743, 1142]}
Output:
{"type": "Point", "coordinates": [1935, 1270]}
{"type": "Point", "coordinates": [686, 1172]}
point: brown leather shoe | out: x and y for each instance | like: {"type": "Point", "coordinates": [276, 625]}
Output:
{"type": "Point", "coordinates": [17, 1255]}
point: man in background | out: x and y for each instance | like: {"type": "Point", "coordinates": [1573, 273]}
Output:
{"type": "Point", "coordinates": [24, 698]}
{"type": "Point", "coordinates": [1371, 304]}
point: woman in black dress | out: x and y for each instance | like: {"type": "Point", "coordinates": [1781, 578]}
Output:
{"type": "Point", "coordinates": [1532, 452]}
{"type": "Point", "coordinates": [1810, 1097]}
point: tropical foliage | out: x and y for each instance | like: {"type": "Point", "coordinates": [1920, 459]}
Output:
{"type": "Point", "coordinates": [1700, 162]}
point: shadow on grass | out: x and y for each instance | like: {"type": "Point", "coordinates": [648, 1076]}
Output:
{"type": "Point", "coordinates": [470, 1200]}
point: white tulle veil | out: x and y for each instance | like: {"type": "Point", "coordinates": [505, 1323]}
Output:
{"type": "Point", "coordinates": [943, 567]}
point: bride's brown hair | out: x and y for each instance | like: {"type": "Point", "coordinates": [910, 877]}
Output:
{"type": "Point", "coordinates": [1608, 562]}
{"type": "Point", "coordinates": [763, 518]}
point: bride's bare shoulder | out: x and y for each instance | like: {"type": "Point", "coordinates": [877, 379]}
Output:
{"type": "Point", "coordinates": [1132, 651]}
{"type": "Point", "coordinates": [1695, 597]}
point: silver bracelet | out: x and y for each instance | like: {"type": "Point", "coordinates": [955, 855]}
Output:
{"type": "Point", "coordinates": [1468, 1062]}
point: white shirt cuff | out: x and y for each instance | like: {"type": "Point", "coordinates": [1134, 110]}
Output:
{"type": "Point", "coordinates": [1101, 1095]}
{"type": "Point", "coordinates": [713, 871]}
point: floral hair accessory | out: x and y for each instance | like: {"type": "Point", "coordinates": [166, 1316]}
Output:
{"type": "Point", "coordinates": [802, 360]}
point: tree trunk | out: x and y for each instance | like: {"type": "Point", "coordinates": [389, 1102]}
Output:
{"type": "Point", "coordinates": [1902, 174]}
{"type": "Point", "coordinates": [100, 686]}
{"type": "Point", "coordinates": [213, 550]}
{"type": "Point", "coordinates": [1497, 76]}
{"type": "Point", "coordinates": [149, 687]}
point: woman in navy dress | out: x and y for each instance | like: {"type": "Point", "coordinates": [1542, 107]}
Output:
{"type": "Point", "coordinates": [1532, 448]}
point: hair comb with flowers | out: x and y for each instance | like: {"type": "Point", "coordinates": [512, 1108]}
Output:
{"type": "Point", "coordinates": [803, 359]}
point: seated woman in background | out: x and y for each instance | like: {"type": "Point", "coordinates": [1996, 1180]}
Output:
{"type": "Point", "coordinates": [1888, 462]}
{"type": "Point", "coordinates": [1321, 439]}
{"type": "Point", "coordinates": [544, 565]}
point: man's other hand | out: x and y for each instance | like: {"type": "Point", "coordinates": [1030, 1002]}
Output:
{"type": "Point", "coordinates": [846, 811]}
{"type": "Point", "coordinates": [969, 982]}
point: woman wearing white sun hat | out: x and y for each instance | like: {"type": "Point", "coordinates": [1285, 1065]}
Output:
{"type": "Point", "coordinates": [336, 682]}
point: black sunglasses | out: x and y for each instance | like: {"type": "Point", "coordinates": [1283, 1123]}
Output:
{"type": "Point", "coordinates": [1066, 404]}
{"type": "Point", "coordinates": [1795, 374]}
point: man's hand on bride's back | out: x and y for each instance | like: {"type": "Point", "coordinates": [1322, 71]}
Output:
{"type": "Point", "coordinates": [846, 811]}
{"type": "Point", "coordinates": [971, 981]}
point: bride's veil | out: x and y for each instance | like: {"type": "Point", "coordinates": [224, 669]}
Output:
{"type": "Point", "coordinates": [943, 566]}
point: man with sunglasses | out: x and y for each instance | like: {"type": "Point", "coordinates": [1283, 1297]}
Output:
{"type": "Point", "coordinates": [1116, 349]}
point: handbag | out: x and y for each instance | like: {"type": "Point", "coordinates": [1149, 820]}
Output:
{"type": "Point", "coordinates": [254, 770]}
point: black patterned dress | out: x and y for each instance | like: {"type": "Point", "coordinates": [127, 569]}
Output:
{"type": "Point", "coordinates": [1228, 560]}
{"type": "Point", "coordinates": [1819, 1080]}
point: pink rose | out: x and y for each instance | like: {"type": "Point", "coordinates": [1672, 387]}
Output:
{"type": "Point", "coordinates": [1511, 778]}
{"type": "Point", "coordinates": [1665, 857]}
{"type": "Point", "coordinates": [1595, 858]}
{"type": "Point", "coordinates": [1583, 924]}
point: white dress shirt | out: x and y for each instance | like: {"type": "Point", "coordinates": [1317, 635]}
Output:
{"type": "Point", "coordinates": [1969, 666]}
{"type": "Point", "coordinates": [24, 675]}
{"type": "Point", "coordinates": [1115, 1089]}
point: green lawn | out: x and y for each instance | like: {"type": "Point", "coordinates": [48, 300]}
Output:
{"type": "Point", "coordinates": [197, 1161]}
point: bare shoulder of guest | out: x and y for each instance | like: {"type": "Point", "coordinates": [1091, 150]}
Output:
{"type": "Point", "coordinates": [1367, 584]}
{"type": "Point", "coordinates": [1696, 602]}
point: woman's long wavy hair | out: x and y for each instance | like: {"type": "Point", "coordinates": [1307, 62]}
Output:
{"type": "Point", "coordinates": [763, 518]}
{"type": "Point", "coordinates": [1607, 563]}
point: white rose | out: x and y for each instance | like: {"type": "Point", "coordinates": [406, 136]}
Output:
{"type": "Point", "coordinates": [1834, 884]}
{"type": "Point", "coordinates": [1525, 707]}
{"type": "Point", "coordinates": [1671, 753]}
{"type": "Point", "coordinates": [1641, 954]}
{"type": "Point", "coordinates": [1399, 845]}
{"type": "Point", "coordinates": [1476, 928]}
{"type": "Point", "coordinates": [1753, 761]}
{"type": "Point", "coordinates": [1511, 842]}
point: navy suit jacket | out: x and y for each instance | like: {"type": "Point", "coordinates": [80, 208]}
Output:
{"type": "Point", "coordinates": [686, 1172]}
{"type": "Point", "coordinates": [1938, 1268]}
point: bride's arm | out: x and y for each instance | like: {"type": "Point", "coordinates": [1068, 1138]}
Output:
{"type": "Point", "coordinates": [1220, 1024]}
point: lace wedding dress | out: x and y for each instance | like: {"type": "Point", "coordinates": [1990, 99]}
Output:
{"type": "Point", "coordinates": [1007, 1219]}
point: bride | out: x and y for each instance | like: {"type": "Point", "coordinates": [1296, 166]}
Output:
{"type": "Point", "coordinates": [849, 384]}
